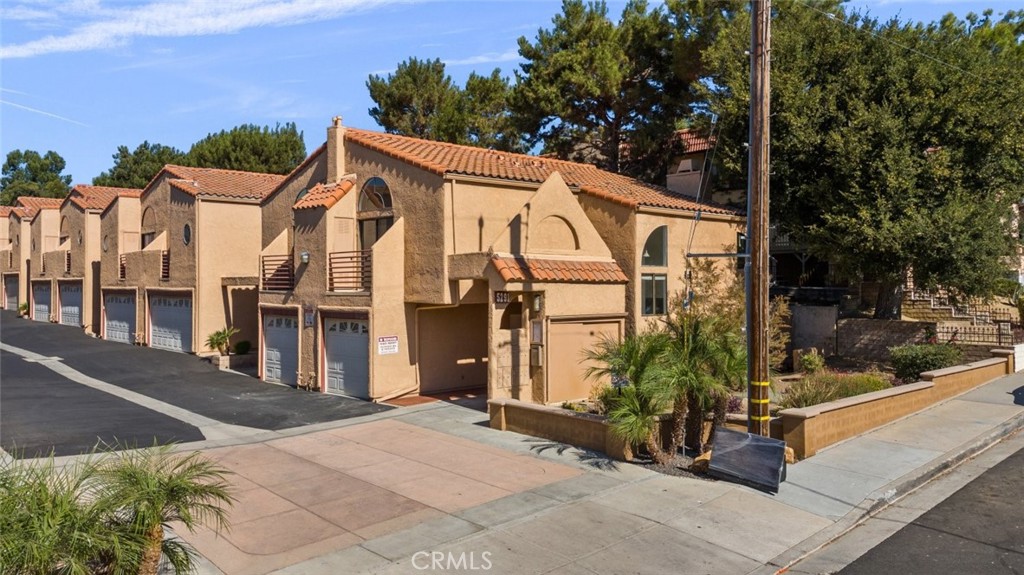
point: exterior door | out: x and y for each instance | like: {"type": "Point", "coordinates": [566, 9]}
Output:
{"type": "Point", "coordinates": [171, 323]}
{"type": "Point", "coordinates": [280, 349]}
{"type": "Point", "coordinates": [41, 301]}
{"type": "Point", "coordinates": [347, 350]}
{"type": "Point", "coordinates": [11, 292]}
{"type": "Point", "coordinates": [71, 303]}
{"type": "Point", "coordinates": [567, 368]}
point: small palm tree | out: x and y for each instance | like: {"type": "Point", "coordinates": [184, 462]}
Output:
{"type": "Point", "coordinates": [636, 360]}
{"type": "Point", "coordinates": [53, 520]}
{"type": "Point", "coordinates": [220, 340]}
{"type": "Point", "coordinates": [153, 487]}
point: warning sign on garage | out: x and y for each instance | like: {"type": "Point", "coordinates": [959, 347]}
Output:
{"type": "Point", "coordinates": [387, 344]}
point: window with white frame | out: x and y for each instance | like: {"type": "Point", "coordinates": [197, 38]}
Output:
{"type": "Point", "coordinates": [654, 294]}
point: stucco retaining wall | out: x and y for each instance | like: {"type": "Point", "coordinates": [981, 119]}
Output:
{"type": "Point", "coordinates": [562, 425]}
{"type": "Point", "coordinates": [810, 429]}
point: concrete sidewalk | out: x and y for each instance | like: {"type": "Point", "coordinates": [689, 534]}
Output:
{"type": "Point", "coordinates": [438, 491]}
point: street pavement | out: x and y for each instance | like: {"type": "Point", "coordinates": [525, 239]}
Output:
{"type": "Point", "coordinates": [431, 488]}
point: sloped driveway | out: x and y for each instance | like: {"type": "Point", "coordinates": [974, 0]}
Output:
{"type": "Point", "coordinates": [179, 380]}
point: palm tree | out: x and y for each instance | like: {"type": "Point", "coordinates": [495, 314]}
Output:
{"type": "Point", "coordinates": [637, 361]}
{"type": "Point", "coordinates": [153, 487]}
{"type": "Point", "coordinates": [53, 520]}
{"type": "Point", "coordinates": [705, 359]}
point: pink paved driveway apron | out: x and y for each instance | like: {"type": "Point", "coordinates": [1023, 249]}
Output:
{"type": "Point", "coordinates": [308, 495]}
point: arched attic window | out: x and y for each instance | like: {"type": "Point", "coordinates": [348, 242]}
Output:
{"type": "Point", "coordinates": [375, 213]}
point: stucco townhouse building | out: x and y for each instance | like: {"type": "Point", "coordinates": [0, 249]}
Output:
{"type": "Point", "coordinates": [179, 261]}
{"type": "Point", "coordinates": [392, 265]}
{"type": "Point", "coordinates": [10, 260]}
{"type": "Point", "coordinates": [71, 267]}
{"type": "Point", "coordinates": [32, 229]}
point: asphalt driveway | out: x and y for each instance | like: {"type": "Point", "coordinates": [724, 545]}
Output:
{"type": "Point", "coordinates": [181, 380]}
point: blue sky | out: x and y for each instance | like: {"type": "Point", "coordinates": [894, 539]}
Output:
{"type": "Point", "coordinates": [82, 77]}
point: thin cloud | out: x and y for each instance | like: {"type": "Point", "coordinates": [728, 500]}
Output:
{"type": "Point", "coordinates": [485, 58]}
{"type": "Point", "coordinates": [42, 112]}
{"type": "Point", "coordinates": [109, 28]}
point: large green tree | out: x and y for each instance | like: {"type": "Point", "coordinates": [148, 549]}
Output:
{"type": "Point", "coordinates": [895, 147]}
{"type": "Point", "coordinates": [251, 148]}
{"type": "Point", "coordinates": [420, 99]}
{"type": "Point", "coordinates": [136, 169]}
{"type": "Point", "coordinates": [27, 173]}
{"type": "Point", "coordinates": [611, 93]}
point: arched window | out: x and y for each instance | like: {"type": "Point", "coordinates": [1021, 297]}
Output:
{"type": "Point", "coordinates": [656, 248]}
{"type": "Point", "coordinates": [375, 212]}
{"type": "Point", "coordinates": [148, 227]}
{"type": "Point", "coordinates": [375, 196]}
{"type": "Point", "coordinates": [654, 286]}
{"type": "Point", "coordinates": [65, 231]}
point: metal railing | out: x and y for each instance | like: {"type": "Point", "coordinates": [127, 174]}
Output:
{"type": "Point", "coordinates": [165, 265]}
{"type": "Point", "coordinates": [277, 273]}
{"type": "Point", "coordinates": [998, 334]}
{"type": "Point", "coordinates": [122, 267]}
{"type": "Point", "coordinates": [67, 262]}
{"type": "Point", "coordinates": [349, 271]}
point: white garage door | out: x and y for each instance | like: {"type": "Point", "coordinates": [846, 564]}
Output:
{"type": "Point", "coordinates": [119, 317]}
{"type": "Point", "coordinates": [41, 301]}
{"type": "Point", "coordinates": [347, 346]}
{"type": "Point", "coordinates": [11, 292]}
{"type": "Point", "coordinates": [280, 349]}
{"type": "Point", "coordinates": [71, 303]}
{"type": "Point", "coordinates": [171, 322]}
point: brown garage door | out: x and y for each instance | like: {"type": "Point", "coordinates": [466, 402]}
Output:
{"type": "Point", "coordinates": [567, 370]}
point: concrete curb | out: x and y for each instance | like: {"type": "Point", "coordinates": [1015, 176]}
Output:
{"type": "Point", "coordinates": [891, 493]}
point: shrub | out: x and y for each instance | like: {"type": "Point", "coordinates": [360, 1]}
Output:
{"type": "Point", "coordinates": [910, 361]}
{"type": "Point", "coordinates": [603, 398]}
{"type": "Point", "coordinates": [220, 340]}
{"type": "Point", "coordinates": [735, 404]}
{"type": "Point", "coordinates": [812, 362]}
{"type": "Point", "coordinates": [243, 347]}
{"type": "Point", "coordinates": [573, 406]}
{"type": "Point", "coordinates": [826, 386]}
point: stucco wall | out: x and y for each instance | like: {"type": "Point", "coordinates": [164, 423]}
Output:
{"type": "Point", "coordinates": [392, 374]}
{"type": "Point", "coordinates": [814, 326]}
{"type": "Point", "coordinates": [228, 240]}
{"type": "Point", "coordinates": [277, 209]}
{"type": "Point", "coordinates": [712, 235]}
{"type": "Point", "coordinates": [481, 214]}
{"type": "Point", "coordinates": [418, 197]}
{"type": "Point", "coordinates": [617, 227]}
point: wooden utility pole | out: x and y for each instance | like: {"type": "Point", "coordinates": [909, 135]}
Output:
{"type": "Point", "coordinates": [757, 219]}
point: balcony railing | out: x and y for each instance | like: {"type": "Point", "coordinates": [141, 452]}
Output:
{"type": "Point", "coordinates": [277, 273]}
{"type": "Point", "coordinates": [165, 265]}
{"type": "Point", "coordinates": [67, 262]}
{"type": "Point", "coordinates": [122, 267]}
{"type": "Point", "coordinates": [349, 271]}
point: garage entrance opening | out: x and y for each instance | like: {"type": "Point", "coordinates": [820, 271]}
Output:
{"type": "Point", "coordinates": [452, 348]}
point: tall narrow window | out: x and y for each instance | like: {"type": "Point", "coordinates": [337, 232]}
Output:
{"type": "Point", "coordinates": [654, 293]}
{"type": "Point", "coordinates": [376, 215]}
{"type": "Point", "coordinates": [148, 225]}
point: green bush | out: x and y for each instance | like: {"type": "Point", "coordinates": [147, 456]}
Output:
{"type": "Point", "coordinates": [243, 347]}
{"type": "Point", "coordinates": [812, 362]}
{"type": "Point", "coordinates": [603, 398]}
{"type": "Point", "coordinates": [826, 386]}
{"type": "Point", "coordinates": [910, 361]}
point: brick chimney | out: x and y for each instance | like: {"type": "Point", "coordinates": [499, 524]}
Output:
{"type": "Point", "coordinates": [335, 151]}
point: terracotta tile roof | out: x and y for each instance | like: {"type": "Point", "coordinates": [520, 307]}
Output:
{"type": "Point", "coordinates": [693, 140]}
{"type": "Point", "coordinates": [98, 197]}
{"type": "Point", "coordinates": [6, 211]}
{"type": "Point", "coordinates": [31, 205]}
{"type": "Point", "coordinates": [443, 158]}
{"type": "Point", "coordinates": [222, 183]}
{"type": "Point", "coordinates": [323, 195]}
{"type": "Point", "coordinates": [526, 269]}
